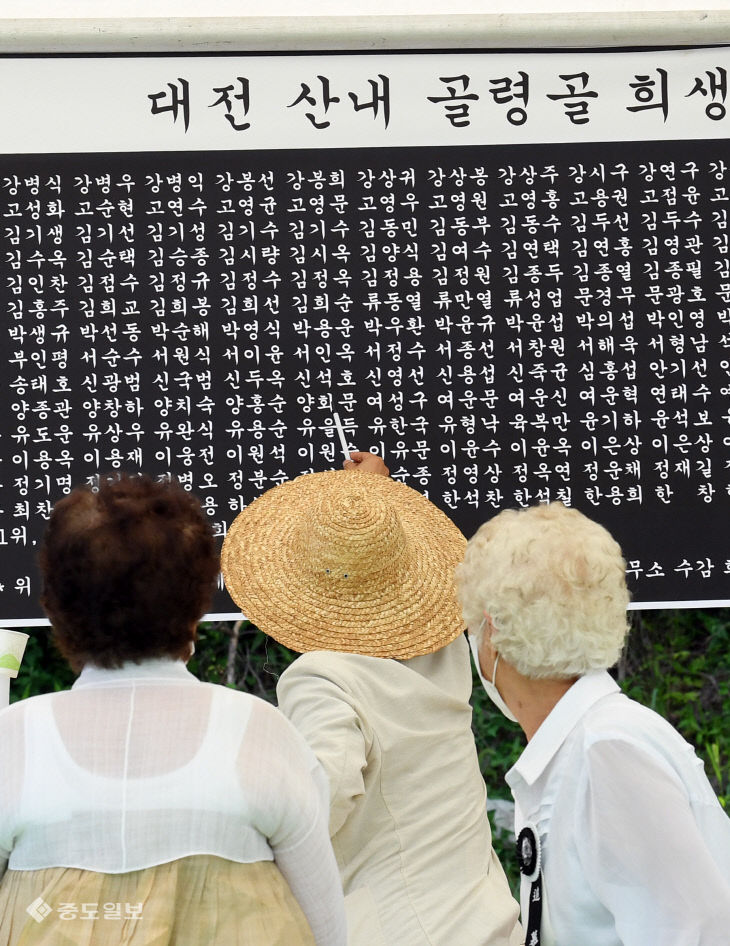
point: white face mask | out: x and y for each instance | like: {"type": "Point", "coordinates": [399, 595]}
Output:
{"type": "Point", "coordinates": [489, 685]}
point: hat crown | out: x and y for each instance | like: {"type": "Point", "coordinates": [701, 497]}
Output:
{"type": "Point", "coordinates": [346, 561]}
{"type": "Point", "coordinates": [352, 535]}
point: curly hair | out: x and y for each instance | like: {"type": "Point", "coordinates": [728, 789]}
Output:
{"type": "Point", "coordinates": [128, 570]}
{"type": "Point", "coordinates": [554, 583]}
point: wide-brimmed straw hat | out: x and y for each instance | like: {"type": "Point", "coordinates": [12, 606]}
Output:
{"type": "Point", "coordinates": [346, 561]}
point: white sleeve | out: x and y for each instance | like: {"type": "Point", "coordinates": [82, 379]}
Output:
{"type": "Point", "coordinates": [324, 714]}
{"type": "Point", "coordinates": [289, 799]}
{"type": "Point", "coordinates": [12, 737]}
{"type": "Point", "coordinates": [644, 854]}
{"type": "Point", "coordinates": [311, 871]}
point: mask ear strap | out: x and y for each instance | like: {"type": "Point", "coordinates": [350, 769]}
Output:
{"type": "Point", "coordinates": [494, 671]}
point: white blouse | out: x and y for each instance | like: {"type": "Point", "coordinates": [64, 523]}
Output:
{"type": "Point", "coordinates": [635, 845]}
{"type": "Point", "coordinates": [145, 764]}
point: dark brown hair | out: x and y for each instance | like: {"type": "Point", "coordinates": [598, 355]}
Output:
{"type": "Point", "coordinates": [128, 570]}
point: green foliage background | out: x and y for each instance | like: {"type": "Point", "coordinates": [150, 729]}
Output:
{"type": "Point", "coordinates": [676, 661]}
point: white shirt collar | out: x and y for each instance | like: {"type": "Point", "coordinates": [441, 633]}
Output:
{"type": "Point", "coordinates": [556, 727]}
{"type": "Point", "coordinates": [162, 669]}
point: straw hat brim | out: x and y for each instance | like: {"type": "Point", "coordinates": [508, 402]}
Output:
{"type": "Point", "coordinates": [411, 611]}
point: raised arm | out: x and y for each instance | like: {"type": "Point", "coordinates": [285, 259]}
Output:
{"type": "Point", "coordinates": [325, 716]}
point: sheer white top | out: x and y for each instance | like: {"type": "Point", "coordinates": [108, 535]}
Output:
{"type": "Point", "coordinates": [145, 764]}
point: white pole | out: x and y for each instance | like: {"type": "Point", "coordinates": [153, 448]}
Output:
{"type": "Point", "coordinates": [341, 435]}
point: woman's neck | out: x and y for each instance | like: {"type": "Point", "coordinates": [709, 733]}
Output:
{"type": "Point", "coordinates": [530, 700]}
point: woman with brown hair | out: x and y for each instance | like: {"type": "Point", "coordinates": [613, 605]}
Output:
{"type": "Point", "coordinates": [142, 806]}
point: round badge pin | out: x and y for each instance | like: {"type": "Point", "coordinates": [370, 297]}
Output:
{"type": "Point", "coordinates": [528, 852]}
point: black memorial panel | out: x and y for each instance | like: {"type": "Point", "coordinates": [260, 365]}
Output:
{"type": "Point", "coordinates": [507, 325]}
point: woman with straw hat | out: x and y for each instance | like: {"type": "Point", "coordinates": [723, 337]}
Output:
{"type": "Point", "coordinates": [354, 571]}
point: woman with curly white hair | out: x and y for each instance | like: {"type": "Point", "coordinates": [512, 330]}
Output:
{"type": "Point", "coordinates": [621, 839]}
